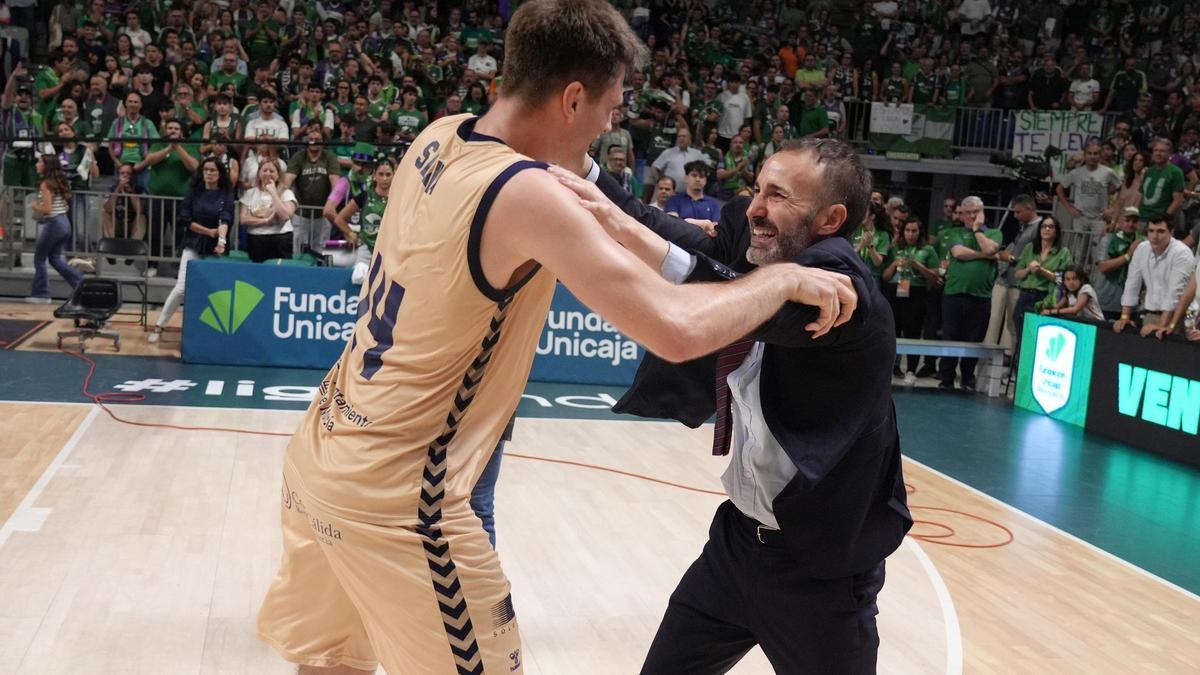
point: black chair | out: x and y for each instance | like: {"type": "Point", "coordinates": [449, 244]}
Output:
{"type": "Point", "coordinates": [113, 258]}
{"type": "Point", "coordinates": [91, 306]}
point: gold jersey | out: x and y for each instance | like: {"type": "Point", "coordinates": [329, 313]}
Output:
{"type": "Point", "coordinates": [407, 417]}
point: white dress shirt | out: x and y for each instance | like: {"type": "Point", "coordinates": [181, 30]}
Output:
{"type": "Point", "coordinates": [759, 468]}
{"type": "Point", "coordinates": [1163, 276]}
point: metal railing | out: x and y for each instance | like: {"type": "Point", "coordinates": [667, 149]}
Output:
{"type": "Point", "coordinates": [150, 218]}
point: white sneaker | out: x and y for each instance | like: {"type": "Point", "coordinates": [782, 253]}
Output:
{"type": "Point", "coordinates": [38, 300]}
{"type": "Point", "coordinates": [910, 378]}
{"type": "Point", "coordinates": [359, 274]}
{"type": "Point", "coordinates": [152, 338]}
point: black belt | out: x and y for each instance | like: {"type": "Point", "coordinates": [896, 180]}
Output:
{"type": "Point", "coordinates": [763, 534]}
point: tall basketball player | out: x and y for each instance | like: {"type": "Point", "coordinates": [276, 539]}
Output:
{"type": "Point", "coordinates": [384, 561]}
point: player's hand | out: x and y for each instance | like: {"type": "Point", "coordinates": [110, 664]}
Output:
{"type": "Point", "coordinates": [1155, 330]}
{"type": "Point", "coordinates": [831, 293]}
{"type": "Point", "coordinates": [709, 227]}
{"type": "Point", "coordinates": [1193, 335]}
{"type": "Point", "coordinates": [1120, 325]}
{"type": "Point", "coordinates": [614, 221]}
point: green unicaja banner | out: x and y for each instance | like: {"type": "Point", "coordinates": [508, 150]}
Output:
{"type": "Point", "coordinates": [1056, 367]}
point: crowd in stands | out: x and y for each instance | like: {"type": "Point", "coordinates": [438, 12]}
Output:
{"type": "Point", "coordinates": [305, 105]}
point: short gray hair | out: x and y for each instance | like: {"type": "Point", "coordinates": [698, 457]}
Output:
{"type": "Point", "coordinates": [971, 200]}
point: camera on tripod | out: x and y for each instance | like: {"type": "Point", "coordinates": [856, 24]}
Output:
{"type": "Point", "coordinates": [1028, 169]}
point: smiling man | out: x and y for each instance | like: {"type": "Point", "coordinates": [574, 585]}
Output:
{"type": "Point", "coordinates": [794, 560]}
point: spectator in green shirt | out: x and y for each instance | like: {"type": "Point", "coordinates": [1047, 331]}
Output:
{"type": "Point", "coordinates": [924, 89]}
{"type": "Point", "coordinates": [957, 88]}
{"type": "Point", "coordinates": [1038, 267]}
{"type": "Point", "coordinates": [171, 167]}
{"type": "Point", "coordinates": [967, 297]}
{"type": "Point", "coordinates": [1113, 257]}
{"type": "Point", "coordinates": [813, 121]}
{"type": "Point", "coordinates": [1162, 185]}
{"type": "Point", "coordinates": [873, 242]}
{"type": "Point", "coordinates": [408, 119]}
{"type": "Point", "coordinates": [910, 274]}
{"type": "Point", "coordinates": [51, 81]}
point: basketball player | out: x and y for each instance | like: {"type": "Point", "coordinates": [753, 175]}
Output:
{"type": "Point", "coordinates": [384, 561]}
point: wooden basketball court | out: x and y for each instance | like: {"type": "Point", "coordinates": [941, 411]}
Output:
{"type": "Point", "coordinates": [138, 549]}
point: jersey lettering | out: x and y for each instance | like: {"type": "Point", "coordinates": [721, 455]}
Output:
{"type": "Point", "coordinates": [431, 166]}
{"type": "Point", "coordinates": [388, 296]}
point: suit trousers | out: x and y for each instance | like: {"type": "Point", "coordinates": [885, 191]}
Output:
{"type": "Point", "coordinates": [964, 319]}
{"type": "Point", "coordinates": [741, 592]}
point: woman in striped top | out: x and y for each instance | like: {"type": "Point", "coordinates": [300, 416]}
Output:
{"type": "Point", "coordinates": [52, 204]}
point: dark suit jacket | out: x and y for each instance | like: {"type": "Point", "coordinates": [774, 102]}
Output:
{"type": "Point", "coordinates": [828, 403]}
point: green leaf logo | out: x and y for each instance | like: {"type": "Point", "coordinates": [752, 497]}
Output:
{"type": "Point", "coordinates": [227, 310]}
{"type": "Point", "coordinates": [1055, 347]}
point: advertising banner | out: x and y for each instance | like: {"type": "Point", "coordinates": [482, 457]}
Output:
{"type": "Point", "coordinates": [1056, 368]}
{"type": "Point", "coordinates": [1146, 393]}
{"type": "Point", "coordinates": [301, 317]}
{"type": "Point", "coordinates": [238, 313]}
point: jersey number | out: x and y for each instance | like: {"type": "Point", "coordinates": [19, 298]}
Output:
{"type": "Point", "coordinates": [430, 166]}
{"type": "Point", "coordinates": [383, 307]}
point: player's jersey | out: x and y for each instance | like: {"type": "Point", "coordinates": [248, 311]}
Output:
{"type": "Point", "coordinates": [439, 358]}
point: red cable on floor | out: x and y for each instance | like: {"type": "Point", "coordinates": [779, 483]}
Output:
{"type": "Point", "coordinates": [131, 397]}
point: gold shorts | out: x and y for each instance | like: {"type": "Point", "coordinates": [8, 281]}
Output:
{"type": "Point", "coordinates": [430, 598]}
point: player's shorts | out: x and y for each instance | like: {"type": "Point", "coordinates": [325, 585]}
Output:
{"type": "Point", "coordinates": [430, 598]}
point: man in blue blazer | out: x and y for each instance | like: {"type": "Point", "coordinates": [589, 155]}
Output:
{"type": "Point", "coordinates": [794, 560]}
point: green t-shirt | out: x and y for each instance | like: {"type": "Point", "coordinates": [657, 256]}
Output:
{"type": "Point", "coordinates": [1158, 187]}
{"type": "Point", "coordinates": [883, 245]}
{"type": "Point", "coordinates": [956, 92]}
{"type": "Point", "coordinates": [409, 121]}
{"type": "Point", "coordinates": [132, 152]}
{"type": "Point", "coordinates": [170, 178]}
{"type": "Point", "coordinates": [893, 89]}
{"type": "Point", "coordinates": [926, 255]}
{"type": "Point", "coordinates": [1057, 261]}
{"type": "Point", "coordinates": [1118, 245]}
{"type": "Point", "coordinates": [262, 47]}
{"type": "Point", "coordinates": [923, 87]}
{"type": "Point", "coordinates": [45, 79]}
{"type": "Point", "coordinates": [812, 120]}
{"type": "Point", "coordinates": [938, 227]}
{"type": "Point", "coordinates": [970, 277]}
{"type": "Point", "coordinates": [220, 78]}
{"type": "Point", "coordinates": [370, 208]}
{"type": "Point", "coordinates": [377, 109]}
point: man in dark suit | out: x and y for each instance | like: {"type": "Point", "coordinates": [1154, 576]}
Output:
{"type": "Point", "coordinates": [794, 561]}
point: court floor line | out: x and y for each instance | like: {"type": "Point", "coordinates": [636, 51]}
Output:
{"type": "Point", "coordinates": [954, 644]}
{"type": "Point", "coordinates": [1064, 533]}
{"type": "Point", "coordinates": [7, 529]}
{"type": "Point", "coordinates": [27, 517]}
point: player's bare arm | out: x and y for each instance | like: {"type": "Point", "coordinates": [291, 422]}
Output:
{"type": "Point", "coordinates": [536, 219]}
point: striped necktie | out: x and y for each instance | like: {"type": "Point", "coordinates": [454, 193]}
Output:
{"type": "Point", "coordinates": [728, 360]}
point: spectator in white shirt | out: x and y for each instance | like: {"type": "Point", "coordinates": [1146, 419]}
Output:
{"type": "Point", "coordinates": [1085, 91]}
{"type": "Point", "coordinates": [736, 110]}
{"type": "Point", "coordinates": [1188, 302]}
{"type": "Point", "coordinates": [1163, 268]}
{"type": "Point", "coordinates": [481, 61]}
{"type": "Point", "coordinates": [672, 161]}
{"type": "Point", "coordinates": [974, 15]}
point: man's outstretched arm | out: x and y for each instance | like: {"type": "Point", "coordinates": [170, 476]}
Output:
{"type": "Point", "coordinates": [536, 219]}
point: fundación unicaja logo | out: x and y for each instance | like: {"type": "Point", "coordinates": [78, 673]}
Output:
{"type": "Point", "coordinates": [228, 310]}
{"type": "Point", "coordinates": [1053, 366]}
